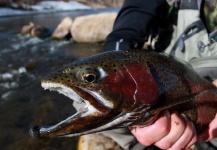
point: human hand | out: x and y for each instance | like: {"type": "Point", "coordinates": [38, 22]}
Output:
{"type": "Point", "coordinates": [173, 131]}
{"type": "Point", "coordinates": [169, 131]}
{"type": "Point", "coordinates": [211, 131]}
{"type": "Point", "coordinates": [215, 82]}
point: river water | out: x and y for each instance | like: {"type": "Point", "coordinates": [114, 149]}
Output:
{"type": "Point", "coordinates": [24, 60]}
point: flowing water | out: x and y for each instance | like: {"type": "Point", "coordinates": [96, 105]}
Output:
{"type": "Point", "coordinates": [24, 60]}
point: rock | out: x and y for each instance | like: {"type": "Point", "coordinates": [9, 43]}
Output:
{"type": "Point", "coordinates": [92, 28]}
{"type": "Point", "coordinates": [41, 32]}
{"type": "Point", "coordinates": [36, 30]}
{"type": "Point", "coordinates": [102, 4]}
{"type": "Point", "coordinates": [27, 28]}
{"type": "Point", "coordinates": [89, 29]}
{"type": "Point", "coordinates": [63, 29]}
{"type": "Point", "coordinates": [97, 142]}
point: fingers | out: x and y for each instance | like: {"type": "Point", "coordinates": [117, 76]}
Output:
{"type": "Point", "coordinates": [168, 132]}
{"type": "Point", "coordinates": [213, 129]}
{"type": "Point", "coordinates": [215, 82]}
{"type": "Point", "coordinates": [176, 131]}
{"type": "Point", "coordinates": [188, 137]}
{"type": "Point", "coordinates": [210, 132]}
{"type": "Point", "coordinates": [153, 133]}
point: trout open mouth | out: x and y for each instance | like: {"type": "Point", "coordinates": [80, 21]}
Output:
{"type": "Point", "coordinates": [93, 116]}
{"type": "Point", "coordinates": [68, 92]}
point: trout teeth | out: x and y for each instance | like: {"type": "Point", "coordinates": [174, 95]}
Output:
{"type": "Point", "coordinates": [62, 89]}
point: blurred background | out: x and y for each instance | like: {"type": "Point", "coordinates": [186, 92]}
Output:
{"type": "Point", "coordinates": [29, 50]}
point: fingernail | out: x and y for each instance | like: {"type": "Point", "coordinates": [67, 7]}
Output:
{"type": "Point", "coordinates": [185, 117]}
{"type": "Point", "coordinates": [167, 113]}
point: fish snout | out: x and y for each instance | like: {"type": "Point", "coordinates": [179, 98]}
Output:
{"type": "Point", "coordinates": [35, 132]}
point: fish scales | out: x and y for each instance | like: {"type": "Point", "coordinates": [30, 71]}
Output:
{"type": "Point", "coordinates": [124, 88]}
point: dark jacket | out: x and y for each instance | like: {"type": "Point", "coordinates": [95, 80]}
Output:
{"type": "Point", "coordinates": [133, 24]}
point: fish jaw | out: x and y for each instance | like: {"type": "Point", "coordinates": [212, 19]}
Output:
{"type": "Point", "coordinates": [90, 114]}
{"type": "Point", "coordinates": [63, 90]}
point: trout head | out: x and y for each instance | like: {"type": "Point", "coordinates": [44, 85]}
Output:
{"type": "Point", "coordinates": [110, 88]}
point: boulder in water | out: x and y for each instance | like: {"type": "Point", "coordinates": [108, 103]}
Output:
{"type": "Point", "coordinates": [92, 28]}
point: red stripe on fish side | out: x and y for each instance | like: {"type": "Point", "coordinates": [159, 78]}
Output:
{"type": "Point", "coordinates": [134, 83]}
{"type": "Point", "coordinates": [147, 88]}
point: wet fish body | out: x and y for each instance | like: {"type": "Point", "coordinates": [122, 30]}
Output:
{"type": "Point", "coordinates": [125, 88]}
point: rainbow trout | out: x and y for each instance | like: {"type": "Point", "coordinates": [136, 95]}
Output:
{"type": "Point", "coordinates": [125, 88]}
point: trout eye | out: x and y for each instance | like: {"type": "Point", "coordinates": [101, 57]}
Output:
{"type": "Point", "coordinates": [88, 74]}
{"type": "Point", "coordinates": [89, 78]}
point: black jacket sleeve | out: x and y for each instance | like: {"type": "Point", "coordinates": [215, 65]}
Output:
{"type": "Point", "coordinates": [132, 24]}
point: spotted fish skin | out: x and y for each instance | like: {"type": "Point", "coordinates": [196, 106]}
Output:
{"type": "Point", "coordinates": [124, 88]}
